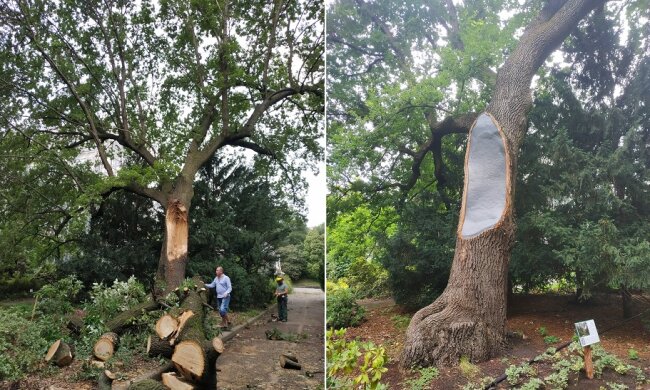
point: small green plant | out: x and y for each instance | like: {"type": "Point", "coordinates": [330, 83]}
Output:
{"type": "Point", "coordinates": [632, 354]}
{"type": "Point", "coordinates": [342, 360]}
{"type": "Point", "coordinates": [480, 385]}
{"type": "Point", "coordinates": [542, 331]}
{"type": "Point", "coordinates": [468, 369]}
{"type": "Point", "coordinates": [533, 384]}
{"type": "Point", "coordinates": [558, 379]}
{"type": "Point", "coordinates": [616, 386]}
{"type": "Point", "coordinates": [423, 381]}
{"type": "Point", "coordinates": [516, 373]}
{"type": "Point", "coordinates": [401, 322]}
{"type": "Point", "coordinates": [551, 339]}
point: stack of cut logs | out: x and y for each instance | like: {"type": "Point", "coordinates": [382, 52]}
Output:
{"type": "Point", "coordinates": [179, 336]}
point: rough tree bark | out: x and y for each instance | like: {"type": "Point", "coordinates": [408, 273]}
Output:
{"type": "Point", "coordinates": [469, 317]}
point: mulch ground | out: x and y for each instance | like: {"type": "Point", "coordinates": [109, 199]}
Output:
{"type": "Point", "coordinates": [527, 313]}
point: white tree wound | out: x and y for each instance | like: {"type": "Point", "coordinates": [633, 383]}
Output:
{"type": "Point", "coordinates": [486, 177]}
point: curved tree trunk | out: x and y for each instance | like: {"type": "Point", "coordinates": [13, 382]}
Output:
{"type": "Point", "coordinates": [469, 318]}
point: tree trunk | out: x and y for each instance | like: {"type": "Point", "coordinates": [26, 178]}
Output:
{"type": "Point", "coordinates": [174, 382]}
{"type": "Point", "coordinates": [469, 318]}
{"type": "Point", "coordinates": [120, 322]}
{"type": "Point", "coordinates": [173, 257]}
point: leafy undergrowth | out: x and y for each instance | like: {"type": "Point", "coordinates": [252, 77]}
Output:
{"type": "Point", "coordinates": [621, 362]}
{"type": "Point", "coordinates": [28, 330]}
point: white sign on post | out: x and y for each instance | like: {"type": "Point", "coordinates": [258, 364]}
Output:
{"type": "Point", "coordinates": [587, 333]}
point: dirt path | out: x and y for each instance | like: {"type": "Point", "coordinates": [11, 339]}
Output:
{"type": "Point", "coordinates": [252, 361]}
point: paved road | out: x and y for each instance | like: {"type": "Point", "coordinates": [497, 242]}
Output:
{"type": "Point", "coordinates": [252, 361]}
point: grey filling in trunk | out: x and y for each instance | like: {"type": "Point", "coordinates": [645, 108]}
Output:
{"type": "Point", "coordinates": [485, 199]}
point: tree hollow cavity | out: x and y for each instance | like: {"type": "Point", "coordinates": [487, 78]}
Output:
{"type": "Point", "coordinates": [485, 177]}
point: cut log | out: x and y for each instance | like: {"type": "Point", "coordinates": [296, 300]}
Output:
{"type": "Point", "coordinates": [195, 361]}
{"type": "Point", "coordinates": [106, 346]}
{"type": "Point", "coordinates": [182, 320]}
{"type": "Point", "coordinates": [159, 347]}
{"type": "Point", "coordinates": [174, 382]}
{"type": "Point", "coordinates": [147, 384]}
{"type": "Point", "coordinates": [194, 357]}
{"type": "Point", "coordinates": [166, 326]}
{"type": "Point", "coordinates": [75, 322]}
{"type": "Point", "coordinates": [105, 380]}
{"type": "Point", "coordinates": [155, 374]}
{"type": "Point", "coordinates": [59, 353]}
{"type": "Point", "coordinates": [290, 357]}
{"type": "Point", "coordinates": [288, 363]}
{"type": "Point", "coordinates": [217, 344]}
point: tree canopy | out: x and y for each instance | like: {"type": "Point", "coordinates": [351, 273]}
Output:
{"type": "Point", "coordinates": [104, 96]}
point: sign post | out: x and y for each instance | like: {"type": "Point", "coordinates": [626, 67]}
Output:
{"type": "Point", "coordinates": [587, 334]}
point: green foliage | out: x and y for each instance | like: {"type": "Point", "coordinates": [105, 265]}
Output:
{"type": "Point", "coordinates": [558, 379]}
{"type": "Point", "coordinates": [423, 381]}
{"type": "Point", "coordinates": [542, 331]}
{"type": "Point", "coordinates": [58, 297]}
{"type": "Point", "coordinates": [65, 122]}
{"type": "Point", "coordinates": [342, 309]}
{"type": "Point", "coordinates": [24, 342]}
{"type": "Point", "coordinates": [551, 339]}
{"type": "Point", "coordinates": [342, 362]}
{"type": "Point", "coordinates": [313, 250]}
{"type": "Point", "coordinates": [516, 373]}
{"type": "Point", "coordinates": [616, 386]}
{"type": "Point", "coordinates": [105, 302]}
{"type": "Point", "coordinates": [533, 384]}
{"type": "Point", "coordinates": [401, 322]}
{"type": "Point", "coordinates": [632, 354]}
{"type": "Point", "coordinates": [467, 368]}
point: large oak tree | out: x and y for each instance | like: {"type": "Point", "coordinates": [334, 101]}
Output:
{"type": "Point", "coordinates": [427, 70]}
{"type": "Point", "coordinates": [148, 92]}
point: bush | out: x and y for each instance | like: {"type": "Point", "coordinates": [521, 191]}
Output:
{"type": "Point", "coordinates": [368, 279]}
{"type": "Point", "coordinates": [23, 343]}
{"type": "Point", "coordinates": [57, 297]}
{"type": "Point", "coordinates": [342, 309]}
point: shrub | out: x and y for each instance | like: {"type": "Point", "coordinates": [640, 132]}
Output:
{"type": "Point", "coordinates": [23, 343]}
{"type": "Point", "coordinates": [368, 279]}
{"type": "Point", "coordinates": [105, 302]}
{"type": "Point", "coordinates": [57, 297]}
{"type": "Point", "coordinates": [342, 309]}
{"type": "Point", "coordinates": [343, 357]}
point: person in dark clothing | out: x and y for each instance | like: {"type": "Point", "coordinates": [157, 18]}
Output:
{"type": "Point", "coordinates": [281, 292]}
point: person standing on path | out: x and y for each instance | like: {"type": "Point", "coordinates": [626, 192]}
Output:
{"type": "Point", "coordinates": [223, 288]}
{"type": "Point", "coordinates": [282, 292]}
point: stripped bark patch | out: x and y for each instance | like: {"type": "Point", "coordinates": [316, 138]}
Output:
{"type": "Point", "coordinates": [486, 176]}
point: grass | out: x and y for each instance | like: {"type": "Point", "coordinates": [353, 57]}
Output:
{"type": "Point", "coordinates": [401, 322]}
{"type": "Point", "coordinates": [308, 283]}
{"type": "Point", "coordinates": [468, 369]}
